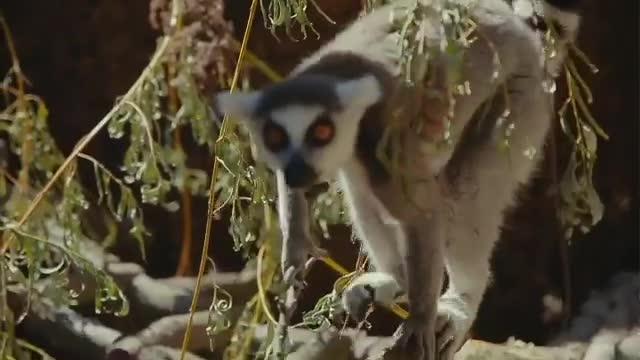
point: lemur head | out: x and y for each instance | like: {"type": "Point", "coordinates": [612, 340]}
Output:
{"type": "Point", "coordinates": [305, 126]}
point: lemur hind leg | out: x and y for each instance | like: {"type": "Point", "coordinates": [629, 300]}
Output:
{"type": "Point", "coordinates": [482, 181]}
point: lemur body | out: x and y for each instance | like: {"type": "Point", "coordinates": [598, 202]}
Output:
{"type": "Point", "coordinates": [325, 121]}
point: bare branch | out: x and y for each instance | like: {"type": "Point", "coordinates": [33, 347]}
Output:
{"type": "Point", "coordinates": [66, 332]}
{"type": "Point", "coordinates": [168, 331]}
{"type": "Point", "coordinates": [352, 344]}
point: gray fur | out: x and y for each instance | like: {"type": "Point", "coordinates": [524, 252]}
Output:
{"type": "Point", "coordinates": [450, 214]}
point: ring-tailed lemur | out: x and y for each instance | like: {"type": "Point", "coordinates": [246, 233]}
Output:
{"type": "Point", "coordinates": [327, 118]}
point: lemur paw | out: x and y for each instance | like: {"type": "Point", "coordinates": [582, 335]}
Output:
{"type": "Point", "coordinates": [367, 289]}
{"type": "Point", "coordinates": [452, 325]}
{"type": "Point", "coordinates": [295, 260]}
{"type": "Point", "coordinates": [415, 339]}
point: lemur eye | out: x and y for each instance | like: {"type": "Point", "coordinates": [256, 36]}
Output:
{"type": "Point", "coordinates": [321, 131]}
{"type": "Point", "coordinates": [275, 138]}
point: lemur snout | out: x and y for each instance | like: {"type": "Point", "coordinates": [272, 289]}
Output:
{"type": "Point", "coordinates": [298, 173]}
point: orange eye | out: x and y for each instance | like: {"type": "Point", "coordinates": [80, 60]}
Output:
{"type": "Point", "coordinates": [275, 138]}
{"type": "Point", "coordinates": [322, 132]}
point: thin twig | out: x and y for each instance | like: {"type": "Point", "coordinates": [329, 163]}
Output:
{"type": "Point", "coordinates": [211, 202]}
{"type": "Point", "coordinates": [261, 289]}
{"type": "Point", "coordinates": [26, 152]}
{"type": "Point", "coordinates": [147, 129]}
{"type": "Point", "coordinates": [184, 261]}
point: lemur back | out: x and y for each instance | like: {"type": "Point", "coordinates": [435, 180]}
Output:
{"type": "Point", "coordinates": [328, 118]}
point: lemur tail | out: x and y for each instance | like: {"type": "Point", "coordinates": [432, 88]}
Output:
{"type": "Point", "coordinates": [563, 15]}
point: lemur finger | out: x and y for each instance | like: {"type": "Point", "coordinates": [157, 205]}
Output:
{"type": "Point", "coordinates": [442, 322]}
{"type": "Point", "coordinates": [293, 276]}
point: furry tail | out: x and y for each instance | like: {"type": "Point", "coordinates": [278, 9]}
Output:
{"type": "Point", "coordinates": [563, 15]}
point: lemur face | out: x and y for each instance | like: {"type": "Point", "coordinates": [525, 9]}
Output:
{"type": "Point", "coordinates": [305, 126]}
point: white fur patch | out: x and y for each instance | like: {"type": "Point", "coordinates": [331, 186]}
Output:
{"type": "Point", "coordinates": [523, 8]}
{"type": "Point", "coordinates": [361, 92]}
{"type": "Point", "coordinates": [385, 287]}
{"type": "Point", "coordinates": [296, 119]}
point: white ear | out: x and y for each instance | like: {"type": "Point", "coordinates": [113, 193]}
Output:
{"type": "Point", "coordinates": [364, 91]}
{"type": "Point", "coordinates": [240, 104]}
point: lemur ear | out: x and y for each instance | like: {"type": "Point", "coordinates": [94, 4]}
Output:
{"type": "Point", "coordinates": [363, 92]}
{"type": "Point", "coordinates": [240, 105]}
